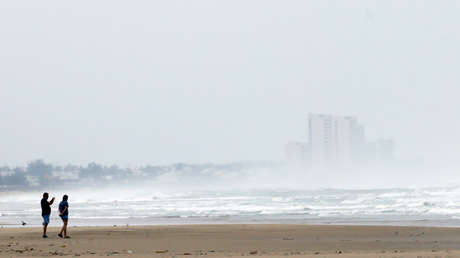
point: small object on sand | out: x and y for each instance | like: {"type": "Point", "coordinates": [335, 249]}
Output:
{"type": "Point", "coordinates": [130, 251]}
{"type": "Point", "coordinates": [316, 252]}
{"type": "Point", "coordinates": [338, 252]}
{"type": "Point", "coordinates": [253, 252]}
{"type": "Point", "coordinates": [187, 254]}
{"type": "Point", "coordinates": [161, 251]}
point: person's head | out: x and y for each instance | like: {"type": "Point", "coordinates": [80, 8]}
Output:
{"type": "Point", "coordinates": [65, 197]}
{"type": "Point", "coordinates": [45, 196]}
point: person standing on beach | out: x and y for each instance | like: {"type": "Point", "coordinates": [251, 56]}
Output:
{"type": "Point", "coordinates": [64, 214]}
{"type": "Point", "coordinates": [46, 211]}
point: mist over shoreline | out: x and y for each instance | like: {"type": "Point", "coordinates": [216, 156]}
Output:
{"type": "Point", "coordinates": [39, 175]}
{"type": "Point", "coordinates": [255, 192]}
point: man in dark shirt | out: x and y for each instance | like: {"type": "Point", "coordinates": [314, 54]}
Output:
{"type": "Point", "coordinates": [46, 211]}
{"type": "Point", "coordinates": [64, 214]}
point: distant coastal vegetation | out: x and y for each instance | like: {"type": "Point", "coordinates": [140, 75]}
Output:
{"type": "Point", "coordinates": [39, 174]}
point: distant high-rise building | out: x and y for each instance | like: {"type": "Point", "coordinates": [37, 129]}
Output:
{"type": "Point", "coordinates": [335, 140]}
{"type": "Point", "coordinates": [323, 139]}
{"type": "Point", "coordinates": [339, 141]}
{"type": "Point", "coordinates": [346, 131]}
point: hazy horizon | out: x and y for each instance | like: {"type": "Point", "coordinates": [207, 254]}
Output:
{"type": "Point", "coordinates": [204, 81]}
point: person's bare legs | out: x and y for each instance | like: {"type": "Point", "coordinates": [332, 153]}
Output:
{"type": "Point", "coordinates": [44, 229]}
{"type": "Point", "coordinates": [63, 229]}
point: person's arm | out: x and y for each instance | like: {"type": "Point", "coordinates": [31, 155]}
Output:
{"type": "Point", "coordinates": [62, 212]}
{"type": "Point", "coordinates": [51, 202]}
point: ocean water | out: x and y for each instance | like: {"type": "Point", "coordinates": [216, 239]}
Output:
{"type": "Point", "coordinates": [423, 206]}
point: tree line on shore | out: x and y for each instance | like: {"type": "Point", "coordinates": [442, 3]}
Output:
{"type": "Point", "coordinates": [39, 173]}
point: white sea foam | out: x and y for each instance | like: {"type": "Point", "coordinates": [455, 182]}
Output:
{"type": "Point", "coordinates": [333, 204]}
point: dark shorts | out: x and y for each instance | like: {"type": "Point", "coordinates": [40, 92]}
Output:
{"type": "Point", "coordinates": [64, 217]}
{"type": "Point", "coordinates": [46, 219]}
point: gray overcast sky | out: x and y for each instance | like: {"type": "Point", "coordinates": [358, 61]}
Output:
{"type": "Point", "coordinates": [136, 82]}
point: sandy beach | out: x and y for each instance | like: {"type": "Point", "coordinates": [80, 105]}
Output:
{"type": "Point", "coordinates": [234, 241]}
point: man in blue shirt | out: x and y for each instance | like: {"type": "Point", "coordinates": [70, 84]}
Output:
{"type": "Point", "coordinates": [46, 211]}
{"type": "Point", "coordinates": [64, 214]}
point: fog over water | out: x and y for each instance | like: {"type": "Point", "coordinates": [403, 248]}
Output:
{"type": "Point", "coordinates": [281, 194]}
{"type": "Point", "coordinates": [182, 85]}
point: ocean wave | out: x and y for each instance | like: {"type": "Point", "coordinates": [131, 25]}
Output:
{"type": "Point", "coordinates": [327, 203]}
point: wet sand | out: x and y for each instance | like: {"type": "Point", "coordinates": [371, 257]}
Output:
{"type": "Point", "coordinates": [234, 241]}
